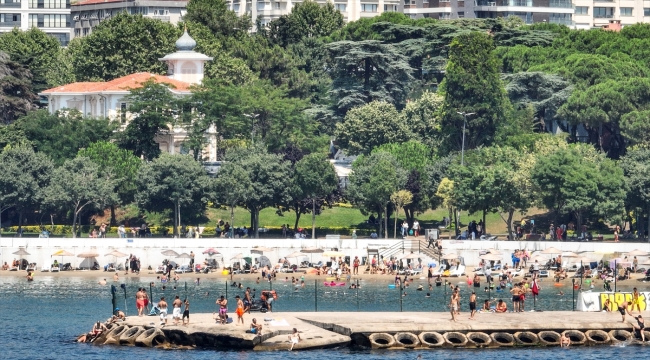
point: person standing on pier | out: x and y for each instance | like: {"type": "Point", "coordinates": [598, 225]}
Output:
{"type": "Point", "coordinates": [247, 300]}
{"type": "Point", "coordinates": [355, 265]}
{"type": "Point", "coordinates": [176, 314]}
{"type": "Point", "coordinates": [223, 309]}
{"type": "Point", "coordinates": [162, 306]}
{"type": "Point", "coordinates": [453, 305]}
{"type": "Point", "coordinates": [623, 308]}
{"type": "Point", "coordinates": [636, 300]}
{"type": "Point", "coordinates": [240, 310]}
{"type": "Point", "coordinates": [472, 305]}
{"type": "Point", "coordinates": [139, 300]}
{"type": "Point", "coordinates": [186, 313]}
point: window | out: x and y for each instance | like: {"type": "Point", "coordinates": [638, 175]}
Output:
{"type": "Point", "coordinates": [646, 11]}
{"type": "Point", "coordinates": [86, 31]}
{"type": "Point", "coordinates": [341, 7]}
{"type": "Point", "coordinates": [261, 6]}
{"type": "Point", "coordinates": [444, 1]}
{"type": "Point", "coordinates": [461, 14]}
{"type": "Point", "coordinates": [369, 8]}
{"type": "Point", "coordinates": [626, 11]}
{"type": "Point", "coordinates": [49, 4]}
{"type": "Point", "coordinates": [10, 20]}
{"type": "Point", "coordinates": [277, 6]}
{"type": "Point", "coordinates": [140, 10]}
{"type": "Point", "coordinates": [602, 12]}
{"type": "Point", "coordinates": [188, 68]}
{"type": "Point", "coordinates": [10, 3]}
{"type": "Point", "coordinates": [390, 8]}
{"type": "Point", "coordinates": [63, 38]}
{"type": "Point", "coordinates": [54, 20]}
{"type": "Point", "coordinates": [445, 16]}
{"type": "Point", "coordinates": [582, 10]}
{"type": "Point", "coordinates": [235, 8]}
{"type": "Point", "coordinates": [123, 112]}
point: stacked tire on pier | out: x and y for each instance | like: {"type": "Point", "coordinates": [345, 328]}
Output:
{"type": "Point", "coordinates": [132, 336]}
{"type": "Point", "coordinates": [476, 339]}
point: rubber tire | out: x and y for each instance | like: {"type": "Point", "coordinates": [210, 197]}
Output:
{"type": "Point", "coordinates": [151, 337]}
{"type": "Point", "coordinates": [531, 338]}
{"type": "Point", "coordinates": [614, 334]}
{"type": "Point", "coordinates": [409, 337]}
{"type": "Point", "coordinates": [128, 337]}
{"type": "Point", "coordinates": [387, 340]}
{"type": "Point", "coordinates": [577, 337]}
{"type": "Point", "coordinates": [543, 335]}
{"type": "Point", "coordinates": [590, 334]}
{"type": "Point", "coordinates": [113, 336]}
{"type": "Point", "coordinates": [498, 337]}
{"type": "Point", "coordinates": [460, 339]}
{"type": "Point", "coordinates": [479, 339]}
{"type": "Point", "coordinates": [427, 335]}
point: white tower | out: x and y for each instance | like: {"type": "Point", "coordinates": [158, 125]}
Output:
{"type": "Point", "coordinates": [186, 64]}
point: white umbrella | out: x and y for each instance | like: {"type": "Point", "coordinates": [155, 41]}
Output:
{"type": "Point", "coordinates": [260, 250]}
{"type": "Point", "coordinates": [184, 256]}
{"type": "Point", "coordinates": [569, 254]}
{"type": "Point", "coordinates": [412, 256]}
{"type": "Point", "coordinates": [296, 254]}
{"type": "Point", "coordinates": [312, 250]}
{"type": "Point", "coordinates": [551, 251]}
{"type": "Point", "coordinates": [169, 253]}
{"type": "Point", "coordinates": [238, 256]}
{"type": "Point", "coordinates": [116, 254]}
{"type": "Point", "coordinates": [494, 251]}
{"type": "Point", "coordinates": [491, 257]}
{"type": "Point", "coordinates": [21, 252]}
{"type": "Point", "coordinates": [88, 255]}
{"type": "Point", "coordinates": [450, 257]}
{"type": "Point", "coordinates": [636, 252]}
{"type": "Point", "coordinates": [331, 254]}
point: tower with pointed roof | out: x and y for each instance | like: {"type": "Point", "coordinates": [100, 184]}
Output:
{"type": "Point", "coordinates": [186, 64]}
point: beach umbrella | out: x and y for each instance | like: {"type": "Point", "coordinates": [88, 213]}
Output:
{"type": "Point", "coordinates": [636, 252]}
{"type": "Point", "coordinates": [551, 251]}
{"type": "Point", "coordinates": [210, 252]}
{"type": "Point", "coordinates": [116, 254]}
{"type": "Point", "coordinates": [238, 256]}
{"type": "Point", "coordinates": [331, 254]}
{"type": "Point", "coordinates": [450, 257]}
{"type": "Point", "coordinates": [62, 253]}
{"type": "Point", "coordinates": [88, 255]}
{"type": "Point", "coordinates": [312, 250]}
{"type": "Point", "coordinates": [260, 250]}
{"type": "Point", "coordinates": [184, 256]}
{"type": "Point", "coordinates": [21, 252]}
{"type": "Point", "coordinates": [491, 257]}
{"type": "Point", "coordinates": [494, 251]}
{"type": "Point", "coordinates": [169, 253]}
{"type": "Point", "coordinates": [569, 254]}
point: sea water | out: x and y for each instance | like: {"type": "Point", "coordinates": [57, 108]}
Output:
{"type": "Point", "coordinates": [40, 320]}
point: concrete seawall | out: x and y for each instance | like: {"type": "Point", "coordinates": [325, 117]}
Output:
{"type": "Point", "coordinates": [390, 330]}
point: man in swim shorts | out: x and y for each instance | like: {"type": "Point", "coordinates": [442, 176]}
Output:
{"type": "Point", "coordinates": [162, 305]}
{"type": "Point", "coordinates": [623, 308]}
{"type": "Point", "coordinates": [472, 305]}
{"type": "Point", "coordinates": [453, 305]}
{"type": "Point", "coordinates": [186, 313]}
{"type": "Point", "coordinates": [223, 309]}
{"type": "Point", "coordinates": [139, 301]}
{"type": "Point", "coordinates": [256, 328]}
{"type": "Point", "coordinates": [176, 315]}
{"type": "Point", "coordinates": [247, 300]}
{"type": "Point", "coordinates": [240, 310]}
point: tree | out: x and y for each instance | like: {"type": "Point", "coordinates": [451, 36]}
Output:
{"type": "Point", "coordinates": [635, 126]}
{"type": "Point", "coordinates": [578, 180]}
{"type": "Point", "coordinates": [400, 199]}
{"type": "Point", "coordinates": [123, 45]}
{"type": "Point", "coordinates": [372, 125]}
{"type": "Point", "coordinates": [17, 97]}
{"type": "Point", "coordinates": [472, 85]}
{"type": "Point", "coordinates": [62, 134]}
{"type": "Point", "coordinates": [373, 180]}
{"type": "Point", "coordinates": [314, 177]}
{"type": "Point", "coordinates": [215, 15]}
{"type": "Point", "coordinates": [232, 187]}
{"type": "Point", "coordinates": [306, 20]}
{"type": "Point", "coordinates": [446, 193]}
{"type": "Point", "coordinates": [24, 176]}
{"type": "Point", "coordinates": [267, 184]}
{"type": "Point", "coordinates": [152, 108]}
{"type": "Point", "coordinates": [117, 165]}
{"type": "Point", "coordinates": [366, 71]}
{"type": "Point", "coordinates": [78, 185]}
{"type": "Point", "coordinates": [423, 117]}
{"type": "Point", "coordinates": [636, 168]}
{"type": "Point", "coordinates": [173, 181]}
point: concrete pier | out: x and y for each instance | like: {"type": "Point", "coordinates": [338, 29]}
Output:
{"type": "Point", "coordinates": [340, 329]}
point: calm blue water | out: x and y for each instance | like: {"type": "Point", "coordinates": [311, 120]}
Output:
{"type": "Point", "coordinates": [40, 319]}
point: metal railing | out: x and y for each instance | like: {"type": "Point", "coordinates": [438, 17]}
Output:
{"type": "Point", "coordinates": [10, 5]}
{"type": "Point", "coordinates": [560, 4]}
{"type": "Point", "coordinates": [405, 247]}
{"type": "Point", "coordinates": [10, 24]}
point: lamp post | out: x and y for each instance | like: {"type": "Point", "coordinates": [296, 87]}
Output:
{"type": "Point", "coordinates": [252, 117]}
{"type": "Point", "coordinates": [462, 149]}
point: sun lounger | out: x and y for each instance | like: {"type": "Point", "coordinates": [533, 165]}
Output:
{"type": "Point", "coordinates": [45, 268]}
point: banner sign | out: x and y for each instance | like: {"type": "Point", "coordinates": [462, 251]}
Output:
{"type": "Point", "coordinates": [595, 301]}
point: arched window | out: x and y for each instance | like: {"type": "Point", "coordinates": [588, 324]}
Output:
{"type": "Point", "coordinates": [188, 68]}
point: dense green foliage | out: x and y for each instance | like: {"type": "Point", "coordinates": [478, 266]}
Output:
{"type": "Point", "coordinates": [388, 88]}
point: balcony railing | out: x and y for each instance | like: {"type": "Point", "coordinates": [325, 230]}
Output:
{"type": "Point", "coordinates": [603, 16]}
{"type": "Point", "coordinates": [560, 4]}
{"type": "Point", "coordinates": [11, 24]}
{"type": "Point", "coordinates": [163, 18]}
{"type": "Point", "coordinates": [10, 5]}
{"type": "Point", "coordinates": [567, 22]}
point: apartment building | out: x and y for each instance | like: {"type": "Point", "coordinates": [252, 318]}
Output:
{"type": "Point", "coordinates": [351, 9]}
{"type": "Point", "coordinates": [597, 13]}
{"type": "Point", "coordinates": [89, 13]}
{"type": "Point", "coordinates": [51, 16]}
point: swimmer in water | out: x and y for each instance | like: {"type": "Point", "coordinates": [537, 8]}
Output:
{"type": "Point", "coordinates": [428, 295]}
{"type": "Point", "coordinates": [561, 293]}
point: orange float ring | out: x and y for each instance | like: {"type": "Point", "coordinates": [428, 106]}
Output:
{"type": "Point", "coordinates": [558, 284]}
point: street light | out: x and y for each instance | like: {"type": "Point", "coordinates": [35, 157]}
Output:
{"type": "Point", "coordinates": [462, 150]}
{"type": "Point", "coordinates": [252, 117]}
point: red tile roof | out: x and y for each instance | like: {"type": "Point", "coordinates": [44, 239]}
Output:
{"type": "Point", "coordinates": [124, 83]}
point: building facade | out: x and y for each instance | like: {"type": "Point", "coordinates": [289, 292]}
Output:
{"type": "Point", "coordinates": [108, 99]}
{"type": "Point", "coordinates": [89, 13]}
{"type": "Point", "coordinates": [51, 16]}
